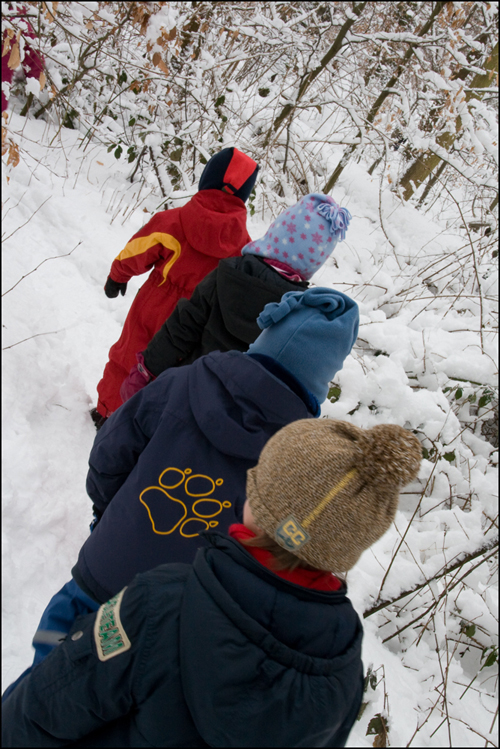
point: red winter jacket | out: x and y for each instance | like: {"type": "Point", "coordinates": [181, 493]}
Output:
{"type": "Point", "coordinates": [186, 243]}
{"type": "Point", "coordinates": [182, 245]}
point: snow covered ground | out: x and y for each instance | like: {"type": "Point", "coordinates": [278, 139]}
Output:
{"type": "Point", "coordinates": [418, 362]}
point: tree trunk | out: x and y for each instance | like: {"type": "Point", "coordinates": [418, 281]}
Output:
{"type": "Point", "coordinates": [424, 165]}
{"type": "Point", "coordinates": [309, 77]}
{"type": "Point", "coordinates": [432, 181]}
{"type": "Point", "coordinates": [382, 97]}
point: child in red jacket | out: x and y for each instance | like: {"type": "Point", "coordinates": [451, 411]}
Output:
{"type": "Point", "coordinates": [182, 245]}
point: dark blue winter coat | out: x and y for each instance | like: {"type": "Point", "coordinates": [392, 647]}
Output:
{"type": "Point", "coordinates": [222, 653]}
{"type": "Point", "coordinates": [172, 461]}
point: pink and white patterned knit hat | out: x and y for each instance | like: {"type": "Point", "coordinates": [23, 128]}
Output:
{"type": "Point", "coordinates": [304, 236]}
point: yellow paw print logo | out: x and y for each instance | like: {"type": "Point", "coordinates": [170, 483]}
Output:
{"type": "Point", "coordinates": [168, 513]}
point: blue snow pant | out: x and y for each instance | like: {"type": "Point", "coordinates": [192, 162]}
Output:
{"type": "Point", "coordinates": [58, 618]}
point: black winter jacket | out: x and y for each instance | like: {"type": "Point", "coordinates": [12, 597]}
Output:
{"type": "Point", "coordinates": [172, 461]}
{"type": "Point", "coordinates": [221, 313]}
{"type": "Point", "coordinates": [221, 653]}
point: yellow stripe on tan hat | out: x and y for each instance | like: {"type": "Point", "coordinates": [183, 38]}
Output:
{"type": "Point", "coordinates": [291, 534]}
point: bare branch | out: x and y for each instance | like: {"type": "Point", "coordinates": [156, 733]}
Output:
{"type": "Point", "coordinates": [56, 257]}
{"type": "Point", "coordinates": [445, 571]}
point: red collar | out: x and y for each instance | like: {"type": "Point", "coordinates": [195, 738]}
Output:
{"type": "Point", "coordinates": [314, 579]}
{"type": "Point", "coordinates": [283, 268]}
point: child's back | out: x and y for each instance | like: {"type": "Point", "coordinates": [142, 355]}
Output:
{"type": "Point", "coordinates": [172, 463]}
{"type": "Point", "coordinates": [255, 643]}
{"type": "Point", "coordinates": [222, 653]}
{"type": "Point", "coordinates": [221, 314]}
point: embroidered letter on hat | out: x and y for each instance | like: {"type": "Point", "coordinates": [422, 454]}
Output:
{"type": "Point", "coordinates": [291, 535]}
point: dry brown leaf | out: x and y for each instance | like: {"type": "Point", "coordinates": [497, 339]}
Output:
{"type": "Point", "coordinates": [163, 67]}
{"type": "Point", "coordinates": [13, 155]}
{"type": "Point", "coordinates": [100, 163]}
{"type": "Point", "coordinates": [156, 58]}
{"type": "Point", "coordinates": [14, 59]}
{"type": "Point", "coordinates": [48, 14]}
{"type": "Point", "coordinates": [172, 34]}
{"type": "Point", "coordinates": [43, 80]}
{"type": "Point", "coordinates": [4, 139]}
{"type": "Point", "coordinates": [6, 43]}
{"type": "Point", "coordinates": [144, 24]}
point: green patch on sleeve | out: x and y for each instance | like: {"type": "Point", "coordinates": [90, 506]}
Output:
{"type": "Point", "coordinates": [110, 636]}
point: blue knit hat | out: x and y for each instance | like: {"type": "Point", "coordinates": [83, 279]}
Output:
{"type": "Point", "coordinates": [310, 333]}
{"type": "Point", "coordinates": [231, 171]}
{"type": "Point", "coordinates": [305, 235]}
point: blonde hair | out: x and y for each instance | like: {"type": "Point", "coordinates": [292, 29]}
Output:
{"type": "Point", "coordinates": [283, 560]}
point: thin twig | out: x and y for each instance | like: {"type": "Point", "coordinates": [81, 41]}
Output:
{"type": "Point", "coordinates": [408, 528]}
{"type": "Point", "coordinates": [56, 257]}
{"type": "Point", "coordinates": [488, 741]}
{"type": "Point", "coordinates": [474, 263]}
{"type": "Point", "coordinates": [155, 167]}
{"type": "Point", "coordinates": [494, 719]}
{"type": "Point", "coordinates": [417, 729]}
{"type": "Point", "coordinates": [384, 604]}
{"type": "Point", "coordinates": [445, 592]}
{"type": "Point", "coordinates": [444, 676]}
{"type": "Point", "coordinates": [26, 222]}
{"type": "Point", "coordinates": [380, 212]}
{"type": "Point", "coordinates": [50, 332]}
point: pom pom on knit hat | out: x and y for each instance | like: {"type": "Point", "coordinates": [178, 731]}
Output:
{"type": "Point", "coordinates": [387, 457]}
{"type": "Point", "coordinates": [327, 490]}
{"type": "Point", "coordinates": [305, 235]}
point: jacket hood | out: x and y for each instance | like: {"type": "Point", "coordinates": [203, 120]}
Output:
{"type": "Point", "coordinates": [215, 223]}
{"type": "Point", "coordinates": [238, 404]}
{"type": "Point", "coordinates": [239, 308]}
{"type": "Point", "coordinates": [244, 680]}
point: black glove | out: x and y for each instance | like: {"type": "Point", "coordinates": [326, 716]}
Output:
{"type": "Point", "coordinates": [112, 288]}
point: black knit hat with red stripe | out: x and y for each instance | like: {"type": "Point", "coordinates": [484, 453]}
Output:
{"type": "Point", "coordinates": [231, 171]}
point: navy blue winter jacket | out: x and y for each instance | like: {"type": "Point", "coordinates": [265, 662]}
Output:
{"type": "Point", "coordinates": [219, 653]}
{"type": "Point", "coordinates": [172, 461]}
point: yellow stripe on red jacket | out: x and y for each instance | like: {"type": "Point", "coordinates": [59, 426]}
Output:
{"type": "Point", "coordinates": [142, 244]}
{"type": "Point", "coordinates": [186, 243]}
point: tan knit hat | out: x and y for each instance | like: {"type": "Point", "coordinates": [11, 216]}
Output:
{"type": "Point", "coordinates": [327, 490]}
